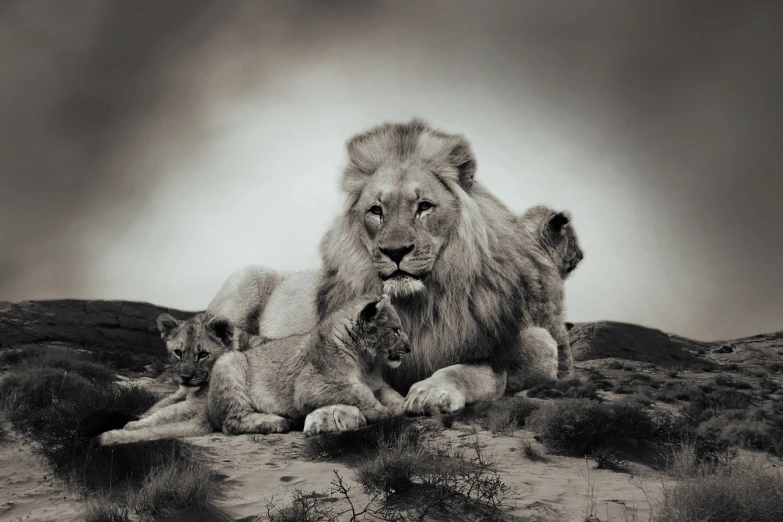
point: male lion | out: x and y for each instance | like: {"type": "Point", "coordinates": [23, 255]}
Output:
{"type": "Point", "coordinates": [552, 247]}
{"type": "Point", "coordinates": [418, 226]}
{"type": "Point", "coordinates": [265, 384]}
{"type": "Point", "coordinates": [194, 345]}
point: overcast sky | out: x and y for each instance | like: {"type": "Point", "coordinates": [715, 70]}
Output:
{"type": "Point", "coordinates": [148, 149]}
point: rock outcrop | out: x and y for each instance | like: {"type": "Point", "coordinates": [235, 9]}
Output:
{"type": "Point", "coordinates": [122, 325]}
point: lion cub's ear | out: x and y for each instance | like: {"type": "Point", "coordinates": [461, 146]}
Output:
{"type": "Point", "coordinates": [166, 324]}
{"type": "Point", "coordinates": [558, 222]}
{"type": "Point", "coordinates": [222, 328]}
{"type": "Point", "coordinates": [370, 311]}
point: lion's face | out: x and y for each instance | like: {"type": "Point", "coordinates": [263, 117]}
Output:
{"type": "Point", "coordinates": [195, 344]}
{"type": "Point", "coordinates": [408, 216]}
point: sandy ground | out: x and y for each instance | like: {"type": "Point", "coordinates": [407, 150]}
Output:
{"type": "Point", "coordinates": [28, 491]}
{"type": "Point", "coordinates": [256, 469]}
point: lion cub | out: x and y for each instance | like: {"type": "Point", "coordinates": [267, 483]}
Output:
{"type": "Point", "coordinates": [267, 384]}
{"type": "Point", "coordinates": [194, 345]}
{"type": "Point", "coordinates": [553, 251]}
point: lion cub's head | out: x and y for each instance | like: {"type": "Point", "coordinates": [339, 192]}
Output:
{"type": "Point", "coordinates": [371, 326]}
{"type": "Point", "coordinates": [556, 235]}
{"type": "Point", "coordinates": [195, 344]}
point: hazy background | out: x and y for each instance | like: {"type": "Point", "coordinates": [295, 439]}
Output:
{"type": "Point", "coordinates": [148, 148]}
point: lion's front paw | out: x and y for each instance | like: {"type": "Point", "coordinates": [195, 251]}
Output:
{"type": "Point", "coordinates": [430, 397]}
{"type": "Point", "coordinates": [133, 425]}
{"type": "Point", "coordinates": [333, 419]}
{"type": "Point", "coordinates": [397, 408]}
{"type": "Point", "coordinates": [110, 438]}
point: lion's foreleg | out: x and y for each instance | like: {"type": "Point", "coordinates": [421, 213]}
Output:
{"type": "Point", "coordinates": [177, 396]}
{"type": "Point", "coordinates": [389, 397]}
{"type": "Point", "coordinates": [193, 427]}
{"type": "Point", "coordinates": [452, 388]}
{"type": "Point", "coordinates": [177, 412]}
{"type": "Point", "coordinates": [565, 357]}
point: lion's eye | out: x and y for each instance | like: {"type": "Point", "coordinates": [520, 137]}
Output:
{"type": "Point", "coordinates": [178, 354]}
{"type": "Point", "coordinates": [203, 355]}
{"type": "Point", "coordinates": [425, 206]}
{"type": "Point", "coordinates": [377, 210]}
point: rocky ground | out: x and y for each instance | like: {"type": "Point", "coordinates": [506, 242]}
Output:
{"type": "Point", "coordinates": [614, 362]}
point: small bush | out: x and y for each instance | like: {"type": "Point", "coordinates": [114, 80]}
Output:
{"type": "Point", "coordinates": [729, 493]}
{"type": "Point", "coordinates": [728, 382]}
{"type": "Point", "coordinates": [569, 388]}
{"type": "Point", "coordinates": [704, 405]}
{"type": "Point", "coordinates": [393, 470]}
{"type": "Point", "coordinates": [304, 507]}
{"type": "Point", "coordinates": [503, 415]}
{"type": "Point", "coordinates": [579, 426]}
{"type": "Point", "coordinates": [751, 429]}
{"type": "Point", "coordinates": [175, 486]}
{"type": "Point", "coordinates": [103, 508]}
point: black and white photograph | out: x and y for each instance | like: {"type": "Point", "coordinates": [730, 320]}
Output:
{"type": "Point", "coordinates": [436, 260]}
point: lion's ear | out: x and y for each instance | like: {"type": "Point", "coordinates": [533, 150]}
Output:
{"type": "Point", "coordinates": [558, 222]}
{"type": "Point", "coordinates": [222, 328]}
{"type": "Point", "coordinates": [462, 159]}
{"type": "Point", "coordinates": [166, 324]}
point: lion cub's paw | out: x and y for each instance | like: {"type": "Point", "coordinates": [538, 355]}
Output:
{"type": "Point", "coordinates": [110, 438]}
{"type": "Point", "coordinates": [133, 425]}
{"type": "Point", "coordinates": [430, 397]}
{"type": "Point", "coordinates": [265, 424]}
{"type": "Point", "coordinates": [333, 419]}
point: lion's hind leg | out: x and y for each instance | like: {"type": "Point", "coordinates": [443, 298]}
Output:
{"type": "Point", "coordinates": [230, 408]}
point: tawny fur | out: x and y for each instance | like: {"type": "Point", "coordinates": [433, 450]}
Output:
{"type": "Point", "coordinates": [553, 252]}
{"type": "Point", "coordinates": [193, 345]}
{"type": "Point", "coordinates": [265, 385]}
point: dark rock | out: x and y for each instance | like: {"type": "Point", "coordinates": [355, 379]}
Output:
{"type": "Point", "coordinates": [726, 348]}
{"type": "Point", "coordinates": [118, 325]}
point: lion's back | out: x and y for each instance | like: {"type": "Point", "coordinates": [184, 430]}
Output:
{"type": "Point", "coordinates": [267, 302]}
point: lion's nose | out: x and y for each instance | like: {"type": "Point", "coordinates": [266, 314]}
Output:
{"type": "Point", "coordinates": [397, 254]}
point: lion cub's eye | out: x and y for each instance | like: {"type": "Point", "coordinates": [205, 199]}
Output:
{"type": "Point", "coordinates": [425, 206]}
{"type": "Point", "coordinates": [178, 354]}
{"type": "Point", "coordinates": [377, 210]}
{"type": "Point", "coordinates": [203, 355]}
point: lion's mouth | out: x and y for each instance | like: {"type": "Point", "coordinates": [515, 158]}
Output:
{"type": "Point", "coordinates": [400, 275]}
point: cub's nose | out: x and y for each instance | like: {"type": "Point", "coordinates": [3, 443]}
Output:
{"type": "Point", "coordinates": [407, 347]}
{"type": "Point", "coordinates": [397, 254]}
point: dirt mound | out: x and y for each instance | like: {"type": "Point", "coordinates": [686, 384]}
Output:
{"type": "Point", "coordinates": [606, 339]}
{"type": "Point", "coordinates": [111, 324]}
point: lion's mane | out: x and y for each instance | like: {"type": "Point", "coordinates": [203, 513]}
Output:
{"type": "Point", "coordinates": [473, 308]}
